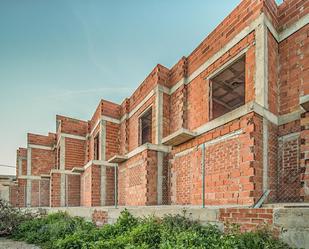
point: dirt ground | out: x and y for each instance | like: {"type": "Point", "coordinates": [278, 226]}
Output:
{"type": "Point", "coordinates": [10, 244]}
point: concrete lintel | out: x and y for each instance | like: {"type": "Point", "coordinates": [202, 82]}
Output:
{"type": "Point", "coordinates": [99, 163]}
{"type": "Point", "coordinates": [226, 118]}
{"type": "Point", "coordinates": [66, 135]}
{"type": "Point", "coordinates": [77, 170]}
{"type": "Point", "coordinates": [117, 159]}
{"type": "Point", "coordinates": [148, 146]}
{"type": "Point", "coordinates": [41, 147]}
{"type": "Point", "coordinates": [235, 114]}
{"type": "Point", "coordinates": [178, 137]}
{"type": "Point", "coordinates": [110, 119]}
{"type": "Point", "coordinates": [225, 137]}
{"type": "Point", "coordinates": [29, 177]}
{"type": "Point", "coordinates": [289, 137]}
{"type": "Point", "coordinates": [65, 172]}
{"type": "Point", "coordinates": [45, 176]}
{"type": "Point", "coordinates": [290, 117]}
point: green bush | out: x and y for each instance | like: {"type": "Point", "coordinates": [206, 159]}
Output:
{"type": "Point", "coordinates": [60, 231]}
{"type": "Point", "coordinates": [11, 217]}
{"type": "Point", "coordinates": [46, 231]}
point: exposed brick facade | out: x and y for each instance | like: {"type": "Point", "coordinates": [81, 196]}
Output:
{"type": "Point", "coordinates": [243, 151]}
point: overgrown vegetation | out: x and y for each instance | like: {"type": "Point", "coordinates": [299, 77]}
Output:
{"type": "Point", "coordinates": [11, 217]}
{"type": "Point", "coordinates": [60, 231]}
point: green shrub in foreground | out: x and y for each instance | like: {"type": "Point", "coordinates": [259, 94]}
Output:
{"type": "Point", "coordinates": [60, 231]}
{"type": "Point", "coordinates": [12, 217]}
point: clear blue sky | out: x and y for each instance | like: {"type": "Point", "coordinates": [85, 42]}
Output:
{"type": "Point", "coordinates": [63, 56]}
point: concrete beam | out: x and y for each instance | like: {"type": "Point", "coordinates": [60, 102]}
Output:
{"type": "Point", "coordinates": [40, 147]}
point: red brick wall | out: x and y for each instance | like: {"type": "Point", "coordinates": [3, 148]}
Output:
{"type": "Point", "coordinates": [112, 139]}
{"type": "Point", "coordinates": [99, 217]}
{"type": "Point", "coordinates": [72, 126]}
{"type": "Point", "coordinates": [41, 139]}
{"type": "Point", "coordinates": [55, 190]}
{"type": "Point", "coordinates": [13, 195]}
{"type": "Point", "coordinates": [42, 161]}
{"type": "Point", "coordinates": [110, 186]}
{"type": "Point", "coordinates": [21, 155]}
{"type": "Point", "coordinates": [21, 192]}
{"type": "Point", "coordinates": [137, 183]}
{"type": "Point", "coordinates": [73, 190]}
{"type": "Point", "coordinates": [91, 186]}
{"type": "Point", "coordinates": [40, 193]}
{"type": "Point", "coordinates": [293, 73]}
{"type": "Point", "coordinates": [74, 153]}
{"type": "Point", "coordinates": [291, 11]}
{"type": "Point", "coordinates": [86, 188]}
{"type": "Point", "coordinates": [247, 218]}
{"type": "Point", "coordinates": [231, 166]}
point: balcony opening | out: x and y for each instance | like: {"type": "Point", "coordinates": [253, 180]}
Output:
{"type": "Point", "coordinates": [227, 89]}
{"type": "Point", "coordinates": [145, 124]}
{"type": "Point", "coordinates": [96, 148]}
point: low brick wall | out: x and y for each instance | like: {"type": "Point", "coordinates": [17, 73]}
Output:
{"type": "Point", "coordinates": [247, 218]}
{"type": "Point", "coordinates": [290, 224]}
{"type": "Point", "coordinates": [99, 217]}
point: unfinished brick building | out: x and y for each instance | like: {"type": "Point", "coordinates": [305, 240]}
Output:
{"type": "Point", "coordinates": [224, 125]}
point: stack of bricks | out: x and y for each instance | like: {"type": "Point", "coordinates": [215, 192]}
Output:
{"type": "Point", "coordinates": [240, 154]}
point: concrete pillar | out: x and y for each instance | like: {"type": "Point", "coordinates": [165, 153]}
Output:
{"type": "Point", "coordinates": [159, 115]}
{"type": "Point", "coordinates": [261, 64]}
{"type": "Point", "coordinates": [29, 184]}
{"type": "Point", "coordinates": [102, 152]}
{"type": "Point", "coordinates": [62, 176]}
{"type": "Point", "coordinates": [102, 157]}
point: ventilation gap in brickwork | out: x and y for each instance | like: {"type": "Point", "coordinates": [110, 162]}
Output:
{"type": "Point", "coordinates": [146, 127]}
{"type": "Point", "coordinates": [96, 147]}
{"type": "Point", "coordinates": [227, 89]}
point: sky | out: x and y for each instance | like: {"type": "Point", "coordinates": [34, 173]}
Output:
{"type": "Point", "coordinates": [63, 56]}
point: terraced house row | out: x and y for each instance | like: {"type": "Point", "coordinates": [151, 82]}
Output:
{"type": "Point", "coordinates": [225, 125]}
